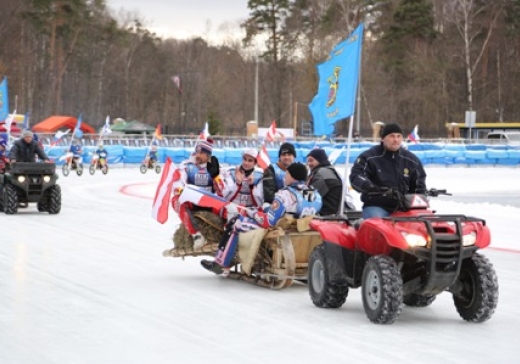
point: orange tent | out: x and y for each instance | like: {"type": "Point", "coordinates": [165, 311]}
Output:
{"type": "Point", "coordinates": [55, 123]}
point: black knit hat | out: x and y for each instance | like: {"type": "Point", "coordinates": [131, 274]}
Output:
{"type": "Point", "coordinates": [319, 155]}
{"type": "Point", "coordinates": [298, 171]}
{"type": "Point", "coordinates": [390, 129]}
{"type": "Point", "coordinates": [287, 148]}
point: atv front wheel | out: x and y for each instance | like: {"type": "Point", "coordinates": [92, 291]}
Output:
{"type": "Point", "coordinates": [41, 207]}
{"type": "Point", "coordinates": [475, 293]}
{"type": "Point", "coordinates": [10, 200]}
{"type": "Point", "coordinates": [415, 300]}
{"type": "Point", "coordinates": [143, 168]}
{"type": "Point", "coordinates": [382, 290]}
{"type": "Point", "coordinates": [65, 169]}
{"type": "Point", "coordinates": [324, 293]}
{"type": "Point", "coordinates": [54, 199]}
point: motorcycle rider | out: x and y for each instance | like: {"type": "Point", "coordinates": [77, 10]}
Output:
{"type": "Point", "coordinates": [201, 170]}
{"type": "Point", "coordinates": [152, 156]}
{"type": "Point", "coordinates": [26, 149]}
{"type": "Point", "coordinates": [102, 155]}
{"type": "Point", "coordinates": [243, 184]}
{"type": "Point", "coordinates": [386, 166]}
{"type": "Point", "coordinates": [274, 174]}
{"type": "Point", "coordinates": [76, 150]}
{"type": "Point", "coordinates": [296, 198]}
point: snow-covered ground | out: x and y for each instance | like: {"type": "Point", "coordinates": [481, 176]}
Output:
{"type": "Point", "coordinates": [90, 286]}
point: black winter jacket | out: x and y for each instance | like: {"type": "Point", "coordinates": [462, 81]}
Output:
{"type": "Point", "coordinates": [269, 183]}
{"type": "Point", "coordinates": [326, 180]}
{"type": "Point", "coordinates": [26, 152]}
{"type": "Point", "coordinates": [400, 170]}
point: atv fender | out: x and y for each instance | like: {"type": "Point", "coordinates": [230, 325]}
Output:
{"type": "Point", "coordinates": [336, 232]}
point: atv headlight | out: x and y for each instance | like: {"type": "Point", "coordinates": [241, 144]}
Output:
{"type": "Point", "coordinates": [46, 179]}
{"type": "Point", "coordinates": [414, 240]}
{"type": "Point", "coordinates": [21, 179]}
{"type": "Point", "coordinates": [469, 239]}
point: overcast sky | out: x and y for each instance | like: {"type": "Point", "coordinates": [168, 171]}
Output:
{"type": "Point", "coordinates": [185, 19]}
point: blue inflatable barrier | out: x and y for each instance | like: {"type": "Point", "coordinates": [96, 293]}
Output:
{"type": "Point", "coordinates": [428, 153]}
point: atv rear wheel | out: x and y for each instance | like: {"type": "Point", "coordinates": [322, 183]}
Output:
{"type": "Point", "coordinates": [382, 290]}
{"type": "Point", "coordinates": [324, 293]}
{"type": "Point", "coordinates": [415, 300]}
{"type": "Point", "coordinates": [10, 199]}
{"type": "Point", "coordinates": [143, 168]}
{"type": "Point", "coordinates": [54, 199]}
{"type": "Point", "coordinates": [475, 292]}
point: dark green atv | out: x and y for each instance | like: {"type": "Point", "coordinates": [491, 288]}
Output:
{"type": "Point", "coordinates": [26, 183]}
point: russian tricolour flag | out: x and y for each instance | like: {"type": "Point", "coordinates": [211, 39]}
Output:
{"type": "Point", "coordinates": [414, 135]}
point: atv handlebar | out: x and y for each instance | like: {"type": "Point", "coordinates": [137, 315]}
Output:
{"type": "Point", "coordinates": [395, 194]}
{"type": "Point", "coordinates": [434, 192]}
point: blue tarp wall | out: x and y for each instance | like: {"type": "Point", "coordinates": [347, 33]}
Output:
{"type": "Point", "coordinates": [448, 154]}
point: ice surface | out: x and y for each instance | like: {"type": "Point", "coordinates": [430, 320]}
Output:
{"type": "Point", "coordinates": [90, 286]}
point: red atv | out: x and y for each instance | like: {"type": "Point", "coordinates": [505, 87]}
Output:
{"type": "Point", "coordinates": [407, 258]}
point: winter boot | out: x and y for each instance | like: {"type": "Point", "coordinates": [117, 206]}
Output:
{"type": "Point", "coordinates": [212, 266]}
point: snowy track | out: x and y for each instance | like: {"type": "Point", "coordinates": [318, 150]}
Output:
{"type": "Point", "coordinates": [90, 286]}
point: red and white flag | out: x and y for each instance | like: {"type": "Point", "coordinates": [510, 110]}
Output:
{"type": "Point", "coordinates": [263, 158]}
{"type": "Point", "coordinates": [161, 202]}
{"type": "Point", "coordinates": [271, 132]}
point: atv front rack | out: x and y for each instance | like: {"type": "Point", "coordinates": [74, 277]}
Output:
{"type": "Point", "coordinates": [445, 251]}
{"type": "Point", "coordinates": [32, 168]}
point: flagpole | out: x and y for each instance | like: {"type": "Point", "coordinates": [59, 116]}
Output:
{"type": "Point", "coordinates": [345, 174]}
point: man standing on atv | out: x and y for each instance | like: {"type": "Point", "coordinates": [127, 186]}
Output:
{"type": "Point", "coordinates": [201, 170]}
{"type": "Point", "coordinates": [26, 149]}
{"type": "Point", "coordinates": [243, 184]}
{"type": "Point", "coordinates": [387, 166]}
{"type": "Point", "coordinates": [296, 198]}
{"type": "Point", "coordinates": [274, 174]}
{"type": "Point", "coordinates": [3, 155]}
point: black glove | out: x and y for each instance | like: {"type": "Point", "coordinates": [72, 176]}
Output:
{"type": "Point", "coordinates": [213, 167]}
{"type": "Point", "coordinates": [372, 188]}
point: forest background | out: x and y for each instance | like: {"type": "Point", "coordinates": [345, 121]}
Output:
{"type": "Point", "coordinates": [424, 62]}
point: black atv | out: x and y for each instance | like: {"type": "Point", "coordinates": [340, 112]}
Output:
{"type": "Point", "coordinates": [27, 183]}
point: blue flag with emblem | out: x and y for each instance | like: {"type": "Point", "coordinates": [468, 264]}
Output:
{"type": "Point", "coordinates": [337, 87]}
{"type": "Point", "coordinates": [4, 100]}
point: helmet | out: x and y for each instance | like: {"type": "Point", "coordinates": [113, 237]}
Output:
{"type": "Point", "coordinates": [101, 146]}
{"type": "Point", "coordinates": [252, 152]}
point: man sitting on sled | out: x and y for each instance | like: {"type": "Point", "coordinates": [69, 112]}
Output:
{"type": "Point", "coordinates": [201, 170]}
{"type": "Point", "coordinates": [296, 198]}
{"type": "Point", "coordinates": [243, 184]}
